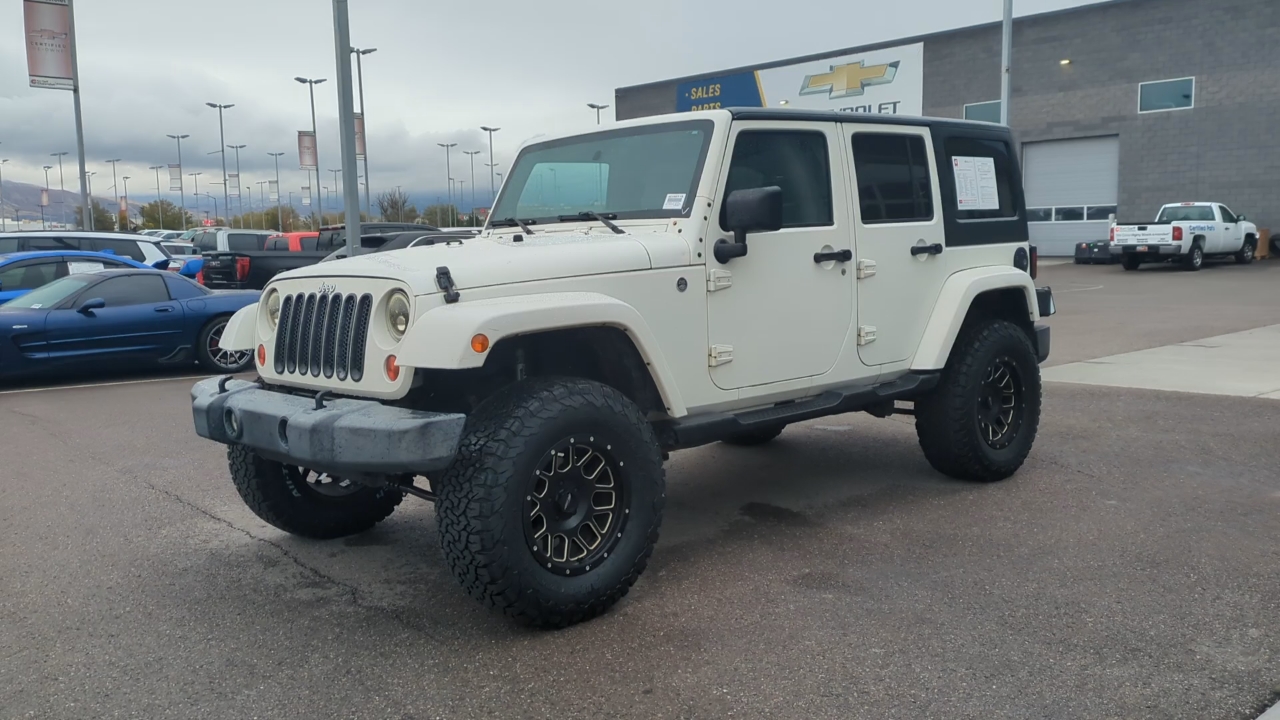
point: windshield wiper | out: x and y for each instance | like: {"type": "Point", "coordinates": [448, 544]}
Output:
{"type": "Point", "coordinates": [589, 215]}
{"type": "Point", "coordinates": [514, 222]}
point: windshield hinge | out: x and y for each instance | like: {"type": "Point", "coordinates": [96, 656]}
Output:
{"type": "Point", "coordinates": [444, 281]}
{"type": "Point", "coordinates": [719, 280]}
{"type": "Point", "coordinates": [866, 269]}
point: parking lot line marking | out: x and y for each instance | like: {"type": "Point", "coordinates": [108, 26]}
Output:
{"type": "Point", "coordinates": [104, 384]}
{"type": "Point", "coordinates": [1095, 287]}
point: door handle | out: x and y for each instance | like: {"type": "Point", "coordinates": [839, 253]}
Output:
{"type": "Point", "coordinates": [833, 256]}
{"type": "Point", "coordinates": [934, 249]}
{"type": "Point", "coordinates": [165, 308]}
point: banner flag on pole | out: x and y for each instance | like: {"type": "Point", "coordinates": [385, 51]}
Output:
{"type": "Point", "coordinates": [175, 177]}
{"type": "Point", "coordinates": [233, 185]}
{"type": "Point", "coordinates": [306, 196]}
{"type": "Point", "coordinates": [124, 204]}
{"type": "Point", "coordinates": [48, 33]}
{"type": "Point", "coordinates": [359, 136]}
{"type": "Point", "coordinates": [44, 198]}
{"type": "Point", "coordinates": [306, 150]}
{"type": "Point", "coordinates": [273, 190]}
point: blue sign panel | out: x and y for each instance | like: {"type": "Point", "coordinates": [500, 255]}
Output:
{"type": "Point", "coordinates": [741, 90]}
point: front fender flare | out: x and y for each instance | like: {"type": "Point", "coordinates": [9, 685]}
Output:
{"type": "Point", "coordinates": [957, 295]}
{"type": "Point", "coordinates": [441, 337]}
{"type": "Point", "coordinates": [239, 333]}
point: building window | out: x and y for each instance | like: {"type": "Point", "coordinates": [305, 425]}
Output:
{"type": "Point", "coordinates": [1099, 212]}
{"type": "Point", "coordinates": [1068, 214]}
{"type": "Point", "coordinates": [983, 111]}
{"type": "Point", "coordinates": [894, 182]}
{"type": "Point", "coordinates": [1039, 214]}
{"type": "Point", "coordinates": [1164, 95]}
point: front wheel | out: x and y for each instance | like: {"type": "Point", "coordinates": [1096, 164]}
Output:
{"type": "Point", "coordinates": [213, 357]}
{"type": "Point", "coordinates": [1245, 256]}
{"type": "Point", "coordinates": [551, 508]}
{"type": "Point", "coordinates": [981, 420]}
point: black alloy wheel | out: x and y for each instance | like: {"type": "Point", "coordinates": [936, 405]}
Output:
{"type": "Point", "coordinates": [575, 507]}
{"type": "Point", "coordinates": [1000, 407]}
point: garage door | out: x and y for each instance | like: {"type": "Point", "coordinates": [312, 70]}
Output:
{"type": "Point", "coordinates": [1071, 187]}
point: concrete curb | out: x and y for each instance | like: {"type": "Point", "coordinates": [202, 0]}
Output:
{"type": "Point", "coordinates": [1271, 714]}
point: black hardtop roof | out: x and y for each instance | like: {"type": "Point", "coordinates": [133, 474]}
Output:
{"type": "Point", "coordinates": [800, 115]}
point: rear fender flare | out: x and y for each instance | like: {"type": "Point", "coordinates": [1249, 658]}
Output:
{"type": "Point", "coordinates": [952, 307]}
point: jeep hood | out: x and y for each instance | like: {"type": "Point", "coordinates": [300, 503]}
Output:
{"type": "Point", "coordinates": [484, 261]}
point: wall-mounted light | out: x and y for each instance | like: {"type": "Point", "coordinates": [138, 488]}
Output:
{"type": "Point", "coordinates": [1065, 61]}
{"type": "Point", "coordinates": [784, 102]}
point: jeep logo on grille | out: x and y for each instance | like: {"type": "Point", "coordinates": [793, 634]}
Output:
{"type": "Point", "coordinates": [326, 288]}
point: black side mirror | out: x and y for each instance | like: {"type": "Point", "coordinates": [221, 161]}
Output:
{"type": "Point", "coordinates": [88, 306]}
{"type": "Point", "coordinates": [752, 210]}
{"type": "Point", "coordinates": [1241, 218]}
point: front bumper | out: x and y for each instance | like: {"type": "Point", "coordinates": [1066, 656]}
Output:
{"type": "Point", "coordinates": [344, 437]}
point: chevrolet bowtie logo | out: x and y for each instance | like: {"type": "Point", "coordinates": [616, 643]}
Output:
{"type": "Point", "coordinates": [848, 80]}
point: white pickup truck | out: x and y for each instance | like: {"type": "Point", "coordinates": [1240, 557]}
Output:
{"type": "Point", "coordinates": [1187, 233]}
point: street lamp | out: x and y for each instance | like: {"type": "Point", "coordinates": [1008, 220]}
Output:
{"type": "Point", "coordinates": [448, 176]}
{"type": "Point", "coordinates": [239, 184]}
{"type": "Point", "coordinates": [311, 83]}
{"type": "Point", "coordinates": [125, 178]}
{"type": "Point", "coordinates": [195, 179]}
{"type": "Point", "coordinates": [159, 207]}
{"type": "Point", "coordinates": [597, 108]}
{"type": "Point", "coordinates": [493, 189]}
{"type": "Point", "coordinates": [114, 181]}
{"type": "Point", "coordinates": [359, 53]}
{"type": "Point", "coordinates": [215, 206]}
{"type": "Point", "coordinates": [472, 154]}
{"type": "Point", "coordinates": [182, 189]}
{"type": "Point", "coordinates": [337, 186]}
{"type": "Point", "coordinates": [47, 168]}
{"type": "Point", "coordinates": [262, 197]}
{"type": "Point", "coordinates": [279, 210]}
{"type": "Point", "coordinates": [62, 187]}
{"type": "Point", "coordinates": [222, 142]}
{"type": "Point", "coordinates": [3, 222]}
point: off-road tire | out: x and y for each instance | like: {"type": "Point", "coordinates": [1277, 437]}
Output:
{"type": "Point", "coordinates": [1247, 251]}
{"type": "Point", "coordinates": [947, 424]}
{"type": "Point", "coordinates": [751, 438]}
{"type": "Point", "coordinates": [1130, 262]}
{"type": "Point", "coordinates": [1194, 259]}
{"type": "Point", "coordinates": [281, 497]}
{"type": "Point", "coordinates": [206, 359]}
{"type": "Point", "coordinates": [483, 499]}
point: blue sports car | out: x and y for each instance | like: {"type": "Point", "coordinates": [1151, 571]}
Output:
{"type": "Point", "coordinates": [121, 319]}
{"type": "Point", "coordinates": [22, 272]}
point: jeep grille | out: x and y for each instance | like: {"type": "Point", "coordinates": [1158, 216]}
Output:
{"type": "Point", "coordinates": [323, 334]}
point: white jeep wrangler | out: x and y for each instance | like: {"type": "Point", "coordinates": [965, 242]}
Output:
{"type": "Point", "coordinates": [658, 285]}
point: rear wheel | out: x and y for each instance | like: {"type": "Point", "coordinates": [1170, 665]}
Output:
{"type": "Point", "coordinates": [1131, 262]}
{"type": "Point", "coordinates": [980, 422]}
{"type": "Point", "coordinates": [1245, 256]}
{"type": "Point", "coordinates": [213, 357]}
{"type": "Point", "coordinates": [1195, 259]}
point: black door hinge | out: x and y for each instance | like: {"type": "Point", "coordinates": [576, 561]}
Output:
{"type": "Point", "coordinates": [444, 281]}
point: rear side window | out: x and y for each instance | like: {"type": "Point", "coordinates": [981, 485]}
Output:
{"type": "Point", "coordinates": [205, 241]}
{"type": "Point", "coordinates": [797, 162]}
{"type": "Point", "coordinates": [45, 242]}
{"type": "Point", "coordinates": [8, 245]}
{"type": "Point", "coordinates": [123, 248]}
{"type": "Point", "coordinates": [244, 242]}
{"type": "Point", "coordinates": [984, 174]}
{"type": "Point", "coordinates": [181, 288]}
{"type": "Point", "coordinates": [893, 178]}
{"type": "Point", "coordinates": [308, 244]}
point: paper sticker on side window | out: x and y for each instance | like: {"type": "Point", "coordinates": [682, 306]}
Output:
{"type": "Point", "coordinates": [79, 268]}
{"type": "Point", "coordinates": [976, 187]}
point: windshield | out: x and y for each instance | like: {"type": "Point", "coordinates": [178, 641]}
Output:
{"type": "Point", "coordinates": [50, 295]}
{"type": "Point", "coordinates": [642, 172]}
{"type": "Point", "coordinates": [1186, 213]}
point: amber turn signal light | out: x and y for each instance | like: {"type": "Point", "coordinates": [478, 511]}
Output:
{"type": "Point", "coordinates": [480, 343]}
{"type": "Point", "coordinates": [262, 355]}
{"type": "Point", "coordinates": [393, 370]}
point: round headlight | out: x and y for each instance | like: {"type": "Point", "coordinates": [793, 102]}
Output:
{"type": "Point", "coordinates": [398, 315]}
{"type": "Point", "coordinates": [273, 308]}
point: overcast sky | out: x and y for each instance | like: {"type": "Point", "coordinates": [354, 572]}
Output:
{"type": "Point", "coordinates": [442, 70]}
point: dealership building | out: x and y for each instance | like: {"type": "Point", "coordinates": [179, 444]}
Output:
{"type": "Point", "coordinates": [1117, 107]}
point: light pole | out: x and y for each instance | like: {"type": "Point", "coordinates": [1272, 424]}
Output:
{"type": "Point", "coordinates": [493, 189]}
{"type": "Point", "coordinates": [215, 206]}
{"type": "Point", "coordinates": [222, 143]}
{"type": "Point", "coordinates": [114, 183]}
{"type": "Point", "coordinates": [336, 183]}
{"type": "Point", "coordinates": [47, 168]}
{"type": "Point", "coordinates": [88, 181]}
{"type": "Point", "coordinates": [472, 154]}
{"type": "Point", "coordinates": [448, 173]}
{"type": "Point", "coordinates": [1006, 52]}
{"type": "Point", "coordinates": [290, 212]}
{"type": "Point", "coordinates": [493, 192]}
{"type": "Point", "coordinates": [262, 198]}
{"type": "Point", "coordinates": [125, 178]}
{"type": "Point", "coordinates": [182, 189]}
{"type": "Point", "coordinates": [195, 179]}
{"type": "Point", "coordinates": [311, 83]}
{"type": "Point", "coordinates": [597, 108]}
{"type": "Point", "coordinates": [62, 187]}
{"type": "Point", "coordinates": [462, 184]}
{"type": "Point", "coordinates": [4, 222]}
{"type": "Point", "coordinates": [279, 210]}
{"type": "Point", "coordinates": [359, 53]}
{"type": "Point", "coordinates": [159, 207]}
{"type": "Point", "coordinates": [400, 201]}
{"type": "Point", "coordinates": [239, 184]}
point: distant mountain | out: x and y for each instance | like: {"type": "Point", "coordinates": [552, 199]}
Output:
{"type": "Point", "coordinates": [24, 200]}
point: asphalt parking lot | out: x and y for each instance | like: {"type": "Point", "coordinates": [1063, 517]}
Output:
{"type": "Point", "coordinates": [1131, 570]}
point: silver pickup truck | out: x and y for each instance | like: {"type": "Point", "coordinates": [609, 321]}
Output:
{"type": "Point", "coordinates": [1186, 233]}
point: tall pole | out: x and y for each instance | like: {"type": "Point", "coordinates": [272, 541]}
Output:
{"type": "Point", "coordinates": [195, 179]}
{"type": "Point", "coordinates": [311, 84]}
{"type": "Point", "coordinates": [368, 209]}
{"type": "Point", "coordinates": [239, 185]}
{"type": "Point", "coordinates": [1006, 54]}
{"type": "Point", "coordinates": [347, 126]}
{"type": "Point", "coordinates": [62, 188]}
{"type": "Point", "coordinates": [182, 188]}
{"type": "Point", "coordinates": [126, 201]}
{"type": "Point", "coordinates": [3, 221]}
{"type": "Point", "coordinates": [159, 206]}
{"type": "Point", "coordinates": [115, 183]}
{"type": "Point", "coordinates": [280, 210]}
{"type": "Point", "coordinates": [472, 154]}
{"type": "Point", "coordinates": [86, 212]}
{"type": "Point", "coordinates": [47, 168]}
{"type": "Point", "coordinates": [493, 189]}
{"type": "Point", "coordinates": [222, 143]}
{"type": "Point", "coordinates": [448, 173]}
{"type": "Point", "coordinates": [336, 184]}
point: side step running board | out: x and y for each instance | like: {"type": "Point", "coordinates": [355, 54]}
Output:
{"type": "Point", "coordinates": [711, 428]}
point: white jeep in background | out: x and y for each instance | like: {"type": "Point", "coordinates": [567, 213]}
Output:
{"type": "Point", "coordinates": [1188, 233]}
{"type": "Point", "coordinates": [657, 285]}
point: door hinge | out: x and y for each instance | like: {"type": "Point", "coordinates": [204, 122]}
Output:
{"type": "Point", "coordinates": [866, 334]}
{"type": "Point", "coordinates": [866, 268]}
{"type": "Point", "coordinates": [719, 280]}
{"type": "Point", "coordinates": [720, 355]}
